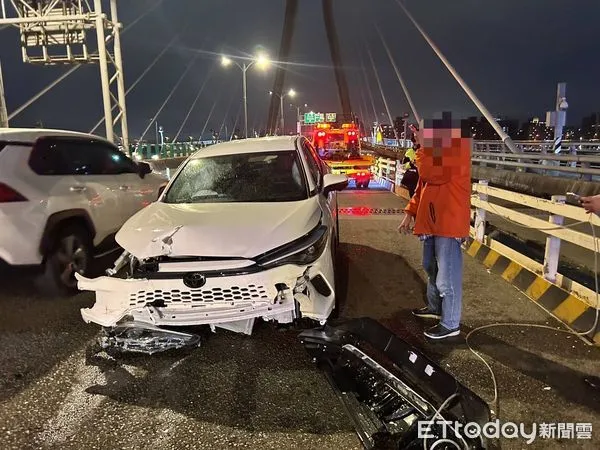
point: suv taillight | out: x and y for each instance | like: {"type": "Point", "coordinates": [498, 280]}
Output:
{"type": "Point", "coordinates": [9, 195]}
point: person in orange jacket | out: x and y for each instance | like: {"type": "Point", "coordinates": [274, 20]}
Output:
{"type": "Point", "coordinates": [441, 212]}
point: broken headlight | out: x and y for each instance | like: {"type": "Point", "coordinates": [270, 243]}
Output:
{"type": "Point", "coordinates": [303, 251]}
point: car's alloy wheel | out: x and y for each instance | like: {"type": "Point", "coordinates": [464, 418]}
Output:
{"type": "Point", "coordinates": [70, 254]}
{"type": "Point", "coordinates": [72, 258]}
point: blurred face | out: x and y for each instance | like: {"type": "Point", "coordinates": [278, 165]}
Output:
{"type": "Point", "coordinates": [442, 140]}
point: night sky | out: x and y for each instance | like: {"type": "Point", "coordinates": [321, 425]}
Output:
{"type": "Point", "coordinates": [511, 52]}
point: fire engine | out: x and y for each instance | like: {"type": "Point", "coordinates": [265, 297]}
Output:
{"type": "Point", "coordinates": [339, 148]}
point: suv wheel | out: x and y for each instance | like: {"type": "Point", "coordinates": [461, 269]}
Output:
{"type": "Point", "coordinates": [71, 252]}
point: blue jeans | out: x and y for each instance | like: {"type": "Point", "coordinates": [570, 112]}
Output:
{"type": "Point", "coordinates": [443, 262]}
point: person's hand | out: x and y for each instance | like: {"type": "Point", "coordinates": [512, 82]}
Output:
{"type": "Point", "coordinates": [591, 204]}
{"type": "Point", "coordinates": [406, 226]}
{"type": "Point", "coordinates": [416, 135]}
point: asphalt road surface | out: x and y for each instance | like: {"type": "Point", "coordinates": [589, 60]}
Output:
{"type": "Point", "coordinates": [262, 391]}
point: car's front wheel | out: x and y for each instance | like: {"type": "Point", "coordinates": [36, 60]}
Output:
{"type": "Point", "coordinates": [70, 253]}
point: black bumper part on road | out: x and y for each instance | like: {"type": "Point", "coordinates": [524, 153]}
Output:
{"type": "Point", "coordinates": [390, 389]}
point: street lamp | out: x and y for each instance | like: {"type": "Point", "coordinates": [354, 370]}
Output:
{"type": "Point", "coordinates": [292, 105]}
{"type": "Point", "coordinates": [262, 62]}
{"type": "Point", "coordinates": [298, 116]}
{"type": "Point", "coordinates": [291, 93]}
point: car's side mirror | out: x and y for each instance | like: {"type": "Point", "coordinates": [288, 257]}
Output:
{"type": "Point", "coordinates": [333, 182]}
{"type": "Point", "coordinates": [161, 190]}
{"type": "Point", "coordinates": [144, 169]}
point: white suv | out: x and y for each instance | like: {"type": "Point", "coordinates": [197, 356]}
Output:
{"type": "Point", "coordinates": [63, 197]}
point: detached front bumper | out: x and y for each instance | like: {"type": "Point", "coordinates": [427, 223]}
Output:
{"type": "Point", "coordinates": [238, 299]}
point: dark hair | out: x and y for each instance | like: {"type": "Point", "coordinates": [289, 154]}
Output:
{"type": "Point", "coordinates": [446, 122]}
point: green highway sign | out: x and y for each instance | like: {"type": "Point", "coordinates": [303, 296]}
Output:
{"type": "Point", "coordinates": [312, 117]}
{"type": "Point", "coordinates": [309, 118]}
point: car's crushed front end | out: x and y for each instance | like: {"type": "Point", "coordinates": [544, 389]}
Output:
{"type": "Point", "coordinates": [168, 290]}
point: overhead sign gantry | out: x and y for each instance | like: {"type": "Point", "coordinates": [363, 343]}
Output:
{"type": "Point", "coordinates": [56, 32]}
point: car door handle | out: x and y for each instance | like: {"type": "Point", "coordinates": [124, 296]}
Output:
{"type": "Point", "coordinates": [124, 188]}
{"type": "Point", "coordinates": [77, 188]}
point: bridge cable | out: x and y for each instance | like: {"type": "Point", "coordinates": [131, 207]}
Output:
{"type": "Point", "coordinates": [233, 96]}
{"type": "Point", "coordinates": [505, 137]}
{"type": "Point", "coordinates": [190, 65]}
{"type": "Point", "coordinates": [385, 103]}
{"type": "Point", "coordinates": [210, 72]}
{"type": "Point", "coordinates": [361, 110]}
{"type": "Point", "coordinates": [254, 121]}
{"type": "Point", "coordinates": [50, 86]}
{"type": "Point", "coordinates": [237, 118]}
{"type": "Point", "coordinates": [208, 118]}
{"type": "Point", "coordinates": [400, 79]}
{"type": "Point", "coordinates": [152, 64]}
{"type": "Point", "coordinates": [368, 87]}
{"type": "Point", "coordinates": [360, 86]}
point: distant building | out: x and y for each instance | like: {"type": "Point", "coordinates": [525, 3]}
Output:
{"type": "Point", "coordinates": [535, 130]}
{"type": "Point", "coordinates": [481, 129]}
{"type": "Point", "coordinates": [572, 133]}
{"type": "Point", "coordinates": [590, 127]}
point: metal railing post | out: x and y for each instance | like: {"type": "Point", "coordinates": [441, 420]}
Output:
{"type": "Point", "coordinates": [480, 215]}
{"type": "Point", "coordinates": [552, 253]}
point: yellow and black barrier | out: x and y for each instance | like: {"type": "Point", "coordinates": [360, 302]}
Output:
{"type": "Point", "coordinates": [574, 312]}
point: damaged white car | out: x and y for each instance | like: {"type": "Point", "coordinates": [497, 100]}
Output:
{"type": "Point", "coordinates": [245, 229]}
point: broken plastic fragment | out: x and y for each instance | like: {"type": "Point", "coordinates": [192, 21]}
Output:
{"type": "Point", "coordinates": [139, 337]}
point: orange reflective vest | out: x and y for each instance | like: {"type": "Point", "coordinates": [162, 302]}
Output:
{"type": "Point", "coordinates": [442, 201]}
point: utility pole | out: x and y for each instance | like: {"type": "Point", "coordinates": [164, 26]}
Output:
{"type": "Point", "coordinates": [3, 112]}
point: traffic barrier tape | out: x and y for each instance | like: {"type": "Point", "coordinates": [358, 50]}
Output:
{"type": "Point", "coordinates": [359, 210]}
{"type": "Point", "coordinates": [572, 311]}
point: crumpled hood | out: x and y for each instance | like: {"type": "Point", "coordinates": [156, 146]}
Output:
{"type": "Point", "coordinates": [216, 229]}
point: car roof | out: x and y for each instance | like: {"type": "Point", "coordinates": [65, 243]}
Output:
{"type": "Point", "coordinates": [31, 134]}
{"type": "Point", "coordinates": [253, 145]}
